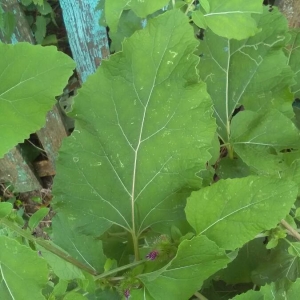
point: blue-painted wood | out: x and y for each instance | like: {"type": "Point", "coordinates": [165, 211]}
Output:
{"type": "Point", "coordinates": [87, 39]}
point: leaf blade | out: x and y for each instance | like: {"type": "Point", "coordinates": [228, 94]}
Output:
{"type": "Point", "coordinates": [246, 201]}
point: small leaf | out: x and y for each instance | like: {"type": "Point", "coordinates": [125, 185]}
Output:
{"type": "Point", "coordinates": [60, 288]}
{"type": "Point", "coordinates": [144, 8]}
{"type": "Point", "coordinates": [40, 31]}
{"type": "Point", "coordinates": [113, 12]}
{"type": "Point", "coordinates": [37, 217]}
{"type": "Point", "coordinates": [199, 257]}
{"type": "Point", "coordinates": [23, 274]}
{"type": "Point", "coordinates": [230, 19]}
{"type": "Point", "coordinates": [128, 24]}
{"type": "Point", "coordinates": [242, 207]}
{"type": "Point", "coordinates": [5, 209]}
{"type": "Point", "coordinates": [205, 5]}
{"type": "Point", "coordinates": [26, 2]}
{"type": "Point", "coordinates": [45, 8]}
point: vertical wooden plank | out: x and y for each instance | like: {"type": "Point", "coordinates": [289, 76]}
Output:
{"type": "Point", "coordinates": [87, 39]}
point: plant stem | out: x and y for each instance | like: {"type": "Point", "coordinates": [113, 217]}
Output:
{"type": "Point", "coordinates": [47, 245]}
{"type": "Point", "coordinates": [135, 242]}
{"type": "Point", "coordinates": [189, 7]}
{"type": "Point", "coordinates": [230, 151]}
{"type": "Point", "coordinates": [111, 272]}
{"type": "Point", "coordinates": [173, 3]}
{"type": "Point", "coordinates": [293, 231]}
{"type": "Point", "coordinates": [200, 296]}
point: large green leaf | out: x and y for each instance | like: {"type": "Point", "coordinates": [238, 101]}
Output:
{"type": "Point", "coordinates": [196, 260]}
{"type": "Point", "coordinates": [231, 19]}
{"type": "Point", "coordinates": [143, 129]}
{"type": "Point", "coordinates": [251, 72]}
{"type": "Point", "coordinates": [232, 212]}
{"type": "Point", "coordinates": [31, 77]}
{"type": "Point", "coordinates": [23, 274]}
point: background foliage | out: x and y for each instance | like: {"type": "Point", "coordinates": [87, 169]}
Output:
{"type": "Point", "coordinates": [181, 177]}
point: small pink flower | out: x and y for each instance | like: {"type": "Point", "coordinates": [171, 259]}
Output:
{"type": "Point", "coordinates": [152, 255]}
{"type": "Point", "coordinates": [127, 294]}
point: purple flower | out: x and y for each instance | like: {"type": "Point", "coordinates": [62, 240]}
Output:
{"type": "Point", "coordinates": [127, 294]}
{"type": "Point", "coordinates": [152, 255]}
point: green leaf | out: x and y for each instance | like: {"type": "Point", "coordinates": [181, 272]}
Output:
{"type": "Point", "coordinates": [271, 128]}
{"type": "Point", "coordinates": [113, 12]}
{"type": "Point", "coordinates": [292, 51]}
{"type": "Point", "coordinates": [74, 296]}
{"type": "Point", "coordinates": [255, 136]}
{"type": "Point", "coordinates": [233, 168]}
{"type": "Point", "coordinates": [230, 19]}
{"type": "Point", "coordinates": [41, 29]}
{"type": "Point", "coordinates": [241, 207]}
{"type": "Point", "coordinates": [29, 84]}
{"type": "Point", "coordinates": [23, 273]}
{"type": "Point", "coordinates": [26, 2]}
{"type": "Point", "coordinates": [281, 290]}
{"type": "Point", "coordinates": [144, 8]}
{"type": "Point", "coordinates": [83, 248]}
{"type": "Point", "coordinates": [199, 257]}
{"type": "Point", "coordinates": [128, 24]}
{"type": "Point", "coordinates": [61, 268]}
{"type": "Point", "coordinates": [60, 288]}
{"type": "Point", "coordinates": [251, 72]}
{"type": "Point", "coordinates": [141, 136]}
{"type": "Point", "coordinates": [45, 8]}
{"type": "Point", "coordinates": [250, 295]}
{"type": "Point", "coordinates": [249, 257]}
{"type": "Point", "coordinates": [37, 217]}
{"type": "Point", "coordinates": [5, 209]}
{"type": "Point", "coordinates": [8, 24]}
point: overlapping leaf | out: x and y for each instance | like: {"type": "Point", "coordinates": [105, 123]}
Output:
{"type": "Point", "coordinates": [292, 51]}
{"type": "Point", "coordinates": [254, 134]}
{"type": "Point", "coordinates": [21, 280]}
{"type": "Point", "coordinates": [29, 84]}
{"type": "Point", "coordinates": [251, 72]}
{"type": "Point", "coordinates": [143, 130]}
{"type": "Point", "coordinates": [232, 211]}
{"type": "Point", "coordinates": [231, 19]}
{"type": "Point", "coordinates": [113, 9]}
{"type": "Point", "coordinates": [196, 260]}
